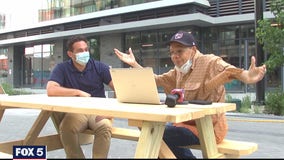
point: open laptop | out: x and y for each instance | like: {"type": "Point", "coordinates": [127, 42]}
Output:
{"type": "Point", "coordinates": [135, 85]}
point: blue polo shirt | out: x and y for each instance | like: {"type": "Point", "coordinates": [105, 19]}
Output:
{"type": "Point", "coordinates": [91, 79]}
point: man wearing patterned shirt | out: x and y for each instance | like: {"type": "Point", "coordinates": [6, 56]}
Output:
{"type": "Point", "coordinates": [202, 77]}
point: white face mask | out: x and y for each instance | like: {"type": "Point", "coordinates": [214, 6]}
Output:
{"type": "Point", "coordinates": [82, 58]}
{"type": "Point", "coordinates": [185, 67]}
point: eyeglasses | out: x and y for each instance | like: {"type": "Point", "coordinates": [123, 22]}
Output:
{"type": "Point", "coordinates": [178, 52]}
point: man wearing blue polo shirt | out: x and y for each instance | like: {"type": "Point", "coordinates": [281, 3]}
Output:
{"type": "Point", "coordinates": [85, 77]}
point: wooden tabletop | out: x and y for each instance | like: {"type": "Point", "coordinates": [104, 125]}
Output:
{"type": "Point", "coordinates": [111, 107]}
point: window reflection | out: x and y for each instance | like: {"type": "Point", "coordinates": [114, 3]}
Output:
{"type": "Point", "coordinates": [39, 62]}
{"type": "Point", "coordinates": [53, 9]}
{"type": "Point", "coordinates": [235, 44]}
{"type": "Point", "coordinates": [4, 67]}
{"type": "Point", "coordinates": [94, 47]}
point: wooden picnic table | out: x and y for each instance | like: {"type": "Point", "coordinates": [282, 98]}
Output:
{"type": "Point", "coordinates": [153, 118]}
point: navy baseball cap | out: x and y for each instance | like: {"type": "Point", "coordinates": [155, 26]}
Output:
{"type": "Point", "coordinates": [184, 38]}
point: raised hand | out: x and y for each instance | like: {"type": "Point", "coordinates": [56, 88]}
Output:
{"type": "Point", "coordinates": [254, 74]}
{"type": "Point", "coordinates": [127, 58]}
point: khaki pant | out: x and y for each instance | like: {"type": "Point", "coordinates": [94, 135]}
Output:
{"type": "Point", "coordinates": [73, 124]}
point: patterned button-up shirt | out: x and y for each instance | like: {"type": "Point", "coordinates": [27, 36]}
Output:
{"type": "Point", "coordinates": [204, 81]}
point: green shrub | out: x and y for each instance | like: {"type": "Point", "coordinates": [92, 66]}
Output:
{"type": "Point", "coordinates": [245, 104]}
{"type": "Point", "coordinates": [11, 91]}
{"type": "Point", "coordinates": [256, 109]}
{"type": "Point", "coordinates": [274, 103]}
{"type": "Point", "coordinates": [7, 88]}
{"type": "Point", "coordinates": [228, 98]}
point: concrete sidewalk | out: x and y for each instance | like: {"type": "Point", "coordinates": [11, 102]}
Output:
{"type": "Point", "coordinates": [247, 127]}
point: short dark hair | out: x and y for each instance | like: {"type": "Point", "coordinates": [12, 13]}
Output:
{"type": "Point", "coordinates": [75, 39]}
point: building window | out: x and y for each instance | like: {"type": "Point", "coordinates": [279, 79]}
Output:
{"type": "Point", "coordinates": [4, 67]}
{"type": "Point", "coordinates": [94, 47]}
{"type": "Point", "coordinates": [39, 62]}
{"type": "Point", "coordinates": [53, 9]}
{"type": "Point", "coordinates": [2, 21]}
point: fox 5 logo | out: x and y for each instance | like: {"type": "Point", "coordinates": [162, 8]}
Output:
{"type": "Point", "coordinates": [29, 152]}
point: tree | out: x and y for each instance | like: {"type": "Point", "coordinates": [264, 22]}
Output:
{"type": "Point", "coordinates": [270, 33]}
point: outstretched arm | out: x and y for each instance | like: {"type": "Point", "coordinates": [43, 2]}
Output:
{"type": "Point", "coordinates": [250, 76]}
{"type": "Point", "coordinates": [253, 74]}
{"type": "Point", "coordinates": [127, 58]}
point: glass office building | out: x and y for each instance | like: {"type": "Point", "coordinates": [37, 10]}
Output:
{"type": "Point", "coordinates": [226, 28]}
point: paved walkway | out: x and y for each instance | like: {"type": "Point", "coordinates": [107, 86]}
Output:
{"type": "Point", "coordinates": [266, 130]}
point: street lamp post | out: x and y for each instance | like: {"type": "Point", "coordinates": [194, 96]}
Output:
{"type": "Point", "coordinates": [260, 90]}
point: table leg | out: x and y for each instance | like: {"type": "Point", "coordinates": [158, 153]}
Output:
{"type": "Point", "coordinates": [2, 110]}
{"type": "Point", "coordinates": [207, 137]}
{"type": "Point", "coordinates": [56, 118]}
{"type": "Point", "coordinates": [37, 127]}
{"type": "Point", "coordinates": [52, 141]}
{"type": "Point", "coordinates": [165, 152]}
{"type": "Point", "coordinates": [150, 140]}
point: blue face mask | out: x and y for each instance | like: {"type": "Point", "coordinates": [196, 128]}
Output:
{"type": "Point", "coordinates": [82, 58]}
